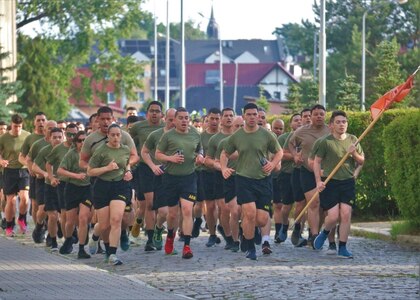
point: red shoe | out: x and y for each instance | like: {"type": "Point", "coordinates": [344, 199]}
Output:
{"type": "Point", "coordinates": [169, 245]}
{"type": "Point", "coordinates": [187, 252]}
{"type": "Point", "coordinates": [22, 226]}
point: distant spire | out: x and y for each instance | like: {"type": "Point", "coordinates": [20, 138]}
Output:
{"type": "Point", "coordinates": [212, 28]}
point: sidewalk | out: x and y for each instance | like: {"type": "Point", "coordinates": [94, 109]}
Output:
{"type": "Point", "coordinates": [27, 272]}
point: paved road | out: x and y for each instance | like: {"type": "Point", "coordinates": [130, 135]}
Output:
{"type": "Point", "coordinates": [380, 270]}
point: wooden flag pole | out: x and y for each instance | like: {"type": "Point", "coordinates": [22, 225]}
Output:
{"type": "Point", "coordinates": [337, 167]}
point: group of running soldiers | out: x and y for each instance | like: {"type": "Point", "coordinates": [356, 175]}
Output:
{"type": "Point", "coordinates": [234, 172]}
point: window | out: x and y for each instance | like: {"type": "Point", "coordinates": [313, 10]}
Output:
{"type": "Point", "coordinates": [140, 97]}
{"type": "Point", "coordinates": [212, 77]}
{"type": "Point", "coordinates": [110, 97]}
{"type": "Point", "coordinates": [277, 95]}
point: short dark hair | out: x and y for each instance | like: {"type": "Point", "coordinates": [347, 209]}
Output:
{"type": "Point", "coordinates": [180, 109]}
{"type": "Point", "coordinates": [105, 110]}
{"type": "Point", "coordinates": [55, 129]}
{"type": "Point", "coordinates": [337, 113]}
{"type": "Point", "coordinates": [114, 125]}
{"type": "Point", "coordinates": [304, 110]}
{"type": "Point", "coordinates": [71, 125]}
{"type": "Point", "coordinates": [130, 108]}
{"type": "Point", "coordinates": [227, 109]}
{"type": "Point", "coordinates": [78, 134]}
{"type": "Point", "coordinates": [154, 103]}
{"type": "Point", "coordinates": [17, 119]}
{"type": "Point", "coordinates": [132, 119]}
{"type": "Point", "coordinates": [261, 109]}
{"type": "Point", "coordinates": [94, 115]}
{"type": "Point", "coordinates": [2, 123]}
{"type": "Point", "coordinates": [214, 110]}
{"type": "Point", "coordinates": [317, 106]}
{"type": "Point", "coordinates": [61, 121]}
{"type": "Point", "coordinates": [40, 113]}
{"type": "Point", "coordinates": [294, 115]}
{"type": "Point", "coordinates": [250, 106]}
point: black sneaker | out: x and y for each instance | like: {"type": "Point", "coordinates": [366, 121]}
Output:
{"type": "Point", "coordinates": [75, 237]}
{"type": "Point", "coordinates": [82, 254]}
{"type": "Point", "coordinates": [48, 241]}
{"type": "Point", "coordinates": [276, 238]}
{"type": "Point", "coordinates": [37, 236]}
{"type": "Point", "coordinates": [100, 250]}
{"type": "Point", "coordinates": [266, 249]}
{"type": "Point", "coordinates": [67, 247]}
{"type": "Point", "coordinates": [196, 227]}
{"type": "Point", "coordinates": [235, 247]}
{"type": "Point", "coordinates": [258, 237]}
{"type": "Point", "coordinates": [3, 223]}
{"type": "Point", "coordinates": [212, 241]}
{"type": "Point", "coordinates": [229, 245]}
{"type": "Point", "coordinates": [149, 247]}
{"type": "Point", "coordinates": [295, 237]}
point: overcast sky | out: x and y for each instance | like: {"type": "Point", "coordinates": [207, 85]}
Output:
{"type": "Point", "coordinates": [237, 19]}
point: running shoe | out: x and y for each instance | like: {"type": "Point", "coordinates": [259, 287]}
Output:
{"type": "Point", "coordinates": [266, 249]}
{"type": "Point", "coordinates": [258, 237]}
{"type": "Point", "coordinates": [75, 237]}
{"type": "Point", "coordinates": [124, 241]}
{"type": "Point", "coordinates": [169, 245]}
{"type": "Point", "coordinates": [276, 238]}
{"type": "Point", "coordinates": [196, 227]}
{"type": "Point", "coordinates": [295, 237]}
{"type": "Point", "coordinates": [320, 240]}
{"type": "Point", "coordinates": [82, 254]}
{"type": "Point", "coordinates": [229, 245]}
{"type": "Point", "coordinates": [149, 247]}
{"type": "Point", "coordinates": [48, 241]}
{"type": "Point", "coordinates": [22, 226]}
{"type": "Point", "coordinates": [344, 253]}
{"type": "Point", "coordinates": [114, 260]}
{"type": "Point", "coordinates": [212, 241]}
{"type": "Point", "coordinates": [187, 252]}
{"type": "Point", "coordinates": [93, 246]}
{"type": "Point", "coordinates": [10, 232]}
{"type": "Point", "coordinates": [251, 254]}
{"type": "Point", "coordinates": [235, 247]}
{"type": "Point", "coordinates": [282, 235]}
{"type": "Point", "coordinates": [54, 247]}
{"type": "Point", "coordinates": [135, 230]}
{"type": "Point", "coordinates": [332, 249]}
{"type": "Point", "coordinates": [67, 246]}
{"type": "Point", "coordinates": [37, 236]}
{"type": "Point", "coordinates": [157, 238]}
{"type": "Point", "coordinates": [301, 242]}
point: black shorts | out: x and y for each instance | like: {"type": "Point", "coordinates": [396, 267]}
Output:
{"type": "Point", "coordinates": [229, 188]}
{"type": "Point", "coordinates": [200, 186]}
{"type": "Point", "coordinates": [51, 198]}
{"type": "Point", "coordinates": [136, 184]}
{"type": "Point", "coordinates": [75, 195]}
{"type": "Point", "coordinates": [208, 180]}
{"type": "Point", "coordinates": [218, 185]}
{"type": "Point", "coordinates": [32, 188]}
{"type": "Point", "coordinates": [285, 185]}
{"type": "Point", "coordinates": [146, 179]}
{"type": "Point", "coordinates": [158, 200]}
{"type": "Point", "coordinates": [250, 190]}
{"type": "Point", "coordinates": [60, 194]}
{"type": "Point", "coordinates": [298, 194]}
{"type": "Point", "coordinates": [276, 190]}
{"type": "Point", "coordinates": [338, 191]}
{"type": "Point", "coordinates": [106, 191]}
{"type": "Point", "coordinates": [15, 180]}
{"type": "Point", "coordinates": [175, 187]}
{"type": "Point", "coordinates": [1, 181]}
{"type": "Point", "coordinates": [307, 180]}
{"type": "Point", "coordinates": [40, 191]}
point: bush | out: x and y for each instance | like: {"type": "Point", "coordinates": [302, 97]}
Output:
{"type": "Point", "coordinates": [402, 162]}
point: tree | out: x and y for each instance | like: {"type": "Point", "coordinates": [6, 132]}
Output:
{"type": "Point", "coordinates": [8, 89]}
{"type": "Point", "coordinates": [262, 100]}
{"type": "Point", "coordinates": [348, 93]}
{"type": "Point", "coordinates": [294, 97]}
{"type": "Point", "coordinates": [310, 92]}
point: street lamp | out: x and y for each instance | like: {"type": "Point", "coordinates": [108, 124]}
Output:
{"type": "Point", "coordinates": [322, 58]}
{"type": "Point", "coordinates": [183, 102]}
{"type": "Point", "coordinates": [363, 101]}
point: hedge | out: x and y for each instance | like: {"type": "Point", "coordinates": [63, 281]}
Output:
{"type": "Point", "coordinates": [374, 195]}
{"type": "Point", "coordinates": [402, 162]}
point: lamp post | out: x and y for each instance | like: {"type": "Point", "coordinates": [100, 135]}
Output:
{"type": "Point", "coordinates": [363, 100]}
{"type": "Point", "coordinates": [167, 88]}
{"type": "Point", "coordinates": [183, 102]}
{"type": "Point", "coordinates": [155, 56]}
{"type": "Point", "coordinates": [235, 87]}
{"type": "Point", "coordinates": [322, 58]}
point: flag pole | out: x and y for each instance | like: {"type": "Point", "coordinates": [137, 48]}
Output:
{"type": "Point", "coordinates": [341, 162]}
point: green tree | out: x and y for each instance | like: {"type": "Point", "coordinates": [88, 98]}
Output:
{"type": "Point", "coordinates": [310, 92]}
{"type": "Point", "coordinates": [294, 97]}
{"type": "Point", "coordinates": [8, 89]}
{"type": "Point", "coordinates": [262, 100]}
{"type": "Point", "coordinates": [348, 93]}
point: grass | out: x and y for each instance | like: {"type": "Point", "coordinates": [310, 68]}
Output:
{"type": "Point", "coordinates": [404, 228]}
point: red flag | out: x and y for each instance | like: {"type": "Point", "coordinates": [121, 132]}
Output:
{"type": "Point", "coordinates": [397, 94]}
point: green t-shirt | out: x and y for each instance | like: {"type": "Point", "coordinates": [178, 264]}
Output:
{"type": "Point", "coordinates": [205, 138]}
{"type": "Point", "coordinates": [10, 148]}
{"type": "Point", "coordinates": [41, 159]}
{"type": "Point", "coordinates": [286, 165]}
{"type": "Point", "coordinates": [304, 137]}
{"type": "Point", "coordinates": [189, 143]}
{"type": "Point", "coordinates": [151, 143]}
{"type": "Point", "coordinates": [70, 163]}
{"type": "Point", "coordinates": [96, 139]}
{"type": "Point", "coordinates": [32, 138]}
{"type": "Point", "coordinates": [104, 154]}
{"type": "Point", "coordinates": [140, 131]}
{"type": "Point", "coordinates": [214, 143]}
{"type": "Point", "coordinates": [55, 157]}
{"type": "Point", "coordinates": [331, 151]}
{"type": "Point", "coordinates": [36, 147]}
{"type": "Point", "coordinates": [252, 147]}
{"type": "Point", "coordinates": [232, 163]}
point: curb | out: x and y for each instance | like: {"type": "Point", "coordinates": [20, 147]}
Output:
{"type": "Point", "coordinates": [403, 240]}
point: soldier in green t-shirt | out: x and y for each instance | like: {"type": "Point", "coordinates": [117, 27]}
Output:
{"type": "Point", "coordinates": [253, 173]}
{"type": "Point", "coordinates": [15, 175]}
{"type": "Point", "coordinates": [339, 195]}
{"type": "Point", "coordinates": [3, 130]}
{"type": "Point", "coordinates": [148, 155]}
{"type": "Point", "coordinates": [180, 149]}
{"type": "Point", "coordinates": [110, 163]}
{"type": "Point", "coordinates": [139, 132]}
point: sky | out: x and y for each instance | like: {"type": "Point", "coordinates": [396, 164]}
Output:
{"type": "Point", "coordinates": [237, 19]}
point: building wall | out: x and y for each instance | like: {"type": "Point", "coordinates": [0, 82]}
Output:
{"type": "Point", "coordinates": [276, 82]}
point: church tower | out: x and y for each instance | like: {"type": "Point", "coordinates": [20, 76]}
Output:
{"type": "Point", "coordinates": [212, 28]}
